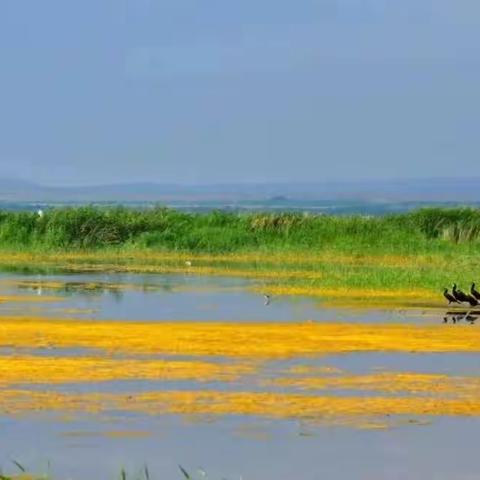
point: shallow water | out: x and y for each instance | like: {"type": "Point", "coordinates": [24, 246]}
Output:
{"type": "Point", "coordinates": [176, 297]}
{"type": "Point", "coordinates": [100, 372]}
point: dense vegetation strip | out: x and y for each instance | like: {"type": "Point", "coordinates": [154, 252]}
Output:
{"type": "Point", "coordinates": [219, 231]}
{"type": "Point", "coordinates": [352, 257]}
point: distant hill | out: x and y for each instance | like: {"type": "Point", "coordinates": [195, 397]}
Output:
{"type": "Point", "coordinates": [417, 190]}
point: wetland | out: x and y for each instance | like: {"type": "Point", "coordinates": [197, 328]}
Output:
{"type": "Point", "coordinates": [102, 371]}
{"type": "Point", "coordinates": [259, 346]}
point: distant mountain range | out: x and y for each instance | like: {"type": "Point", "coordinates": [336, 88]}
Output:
{"type": "Point", "coordinates": [422, 190]}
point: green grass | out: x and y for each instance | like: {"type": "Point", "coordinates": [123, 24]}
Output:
{"type": "Point", "coordinates": [435, 246]}
{"type": "Point", "coordinates": [427, 230]}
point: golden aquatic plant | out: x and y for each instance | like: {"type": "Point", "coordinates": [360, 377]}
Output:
{"type": "Point", "coordinates": [389, 382]}
{"type": "Point", "coordinates": [325, 409]}
{"type": "Point", "coordinates": [254, 340]}
{"type": "Point", "coordinates": [50, 370]}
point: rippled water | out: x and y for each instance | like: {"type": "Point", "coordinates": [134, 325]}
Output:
{"type": "Point", "coordinates": [173, 404]}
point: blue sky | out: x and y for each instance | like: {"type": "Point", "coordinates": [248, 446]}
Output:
{"type": "Point", "coordinates": [215, 91]}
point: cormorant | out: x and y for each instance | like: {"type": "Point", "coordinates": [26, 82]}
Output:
{"type": "Point", "coordinates": [475, 293]}
{"type": "Point", "coordinates": [472, 301]}
{"type": "Point", "coordinates": [449, 297]}
{"type": "Point", "coordinates": [459, 295]}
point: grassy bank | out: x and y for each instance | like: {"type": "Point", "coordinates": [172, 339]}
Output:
{"type": "Point", "coordinates": [413, 254]}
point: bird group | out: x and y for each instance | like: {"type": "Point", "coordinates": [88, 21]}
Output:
{"type": "Point", "coordinates": [457, 296]}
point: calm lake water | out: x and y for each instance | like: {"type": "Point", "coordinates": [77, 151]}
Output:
{"type": "Point", "coordinates": [93, 444]}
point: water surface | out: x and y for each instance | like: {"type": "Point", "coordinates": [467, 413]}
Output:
{"type": "Point", "coordinates": [91, 409]}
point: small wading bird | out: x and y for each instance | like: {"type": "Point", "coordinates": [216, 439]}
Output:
{"type": "Point", "coordinates": [267, 299]}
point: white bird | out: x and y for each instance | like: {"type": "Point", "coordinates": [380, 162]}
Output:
{"type": "Point", "coordinates": [188, 263]}
{"type": "Point", "coordinates": [267, 298]}
{"type": "Point", "coordinates": [40, 213]}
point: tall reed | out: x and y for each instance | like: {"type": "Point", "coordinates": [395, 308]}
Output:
{"type": "Point", "coordinates": [218, 231]}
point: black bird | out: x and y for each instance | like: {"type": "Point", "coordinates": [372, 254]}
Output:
{"type": "Point", "coordinates": [449, 297]}
{"type": "Point", "coordinates": [472, 301]}
{"type": "Point", "coordinates": [475, 293]}
{"type": "Point", "coordinates": [459, 295]}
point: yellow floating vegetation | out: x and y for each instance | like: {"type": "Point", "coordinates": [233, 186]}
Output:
{"type": "Point", "coordinates": [350, 410]}
{"type": "Point", "coordinates": [28, 298]}
{"type": "Point", "coordinates": [260, 257]}
{"type": "Point", "coordinates": [313, 370]}
{"type": "Point", "coordinates": [51, 370]}
{"type": "Point", "coordinates": [351, 294]}
{"type": "Point", "coordinates": [197, 270]}
{"type": "Point", "coordinates": [390, 382]}
{"type": "Point", "coordinates": [248, 340]}
{"type": "Point", "coordinates": [248, 345]}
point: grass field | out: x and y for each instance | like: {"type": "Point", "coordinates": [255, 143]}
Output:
{"type": "Point", "coordinates": [407, 256]}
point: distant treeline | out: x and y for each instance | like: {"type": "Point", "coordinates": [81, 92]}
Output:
{"type": "Point", "coordinates": [217, 231]}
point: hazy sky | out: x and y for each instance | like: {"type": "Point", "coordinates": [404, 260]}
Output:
{"type": "Point", "coordinates": [208, 91]}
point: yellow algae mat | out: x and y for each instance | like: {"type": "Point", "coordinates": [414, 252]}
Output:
{"type": "Point", "coordinates": [247, 340]}
{"type": "Point", "coordinates": [29, 298]}
{"type": "Point", "coordinates": [351, 410]}
{"type": "Point", "coordinates": [246, 359]}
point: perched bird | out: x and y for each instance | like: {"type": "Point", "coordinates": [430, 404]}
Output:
{"type": "Point", "coordinates": [475, 293]}
{"type": "Point", "coordinates": [463, 297]}
{"type": "Point", "coordinates": [188, 263]}
{"type": "Point", "coordinates": [267, 299]}
{"type": "Point", "coordinates": [459, 295]}
{"type": "Point", "coordinates": [449, 297]}
{"type": "Point", "coordinates": [472, 301]}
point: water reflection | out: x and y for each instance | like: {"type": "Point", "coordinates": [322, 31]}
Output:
{"type": "Point", "coordinates": [90, 289]}
{"type": "Point", "coordinates": [468, 316]}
